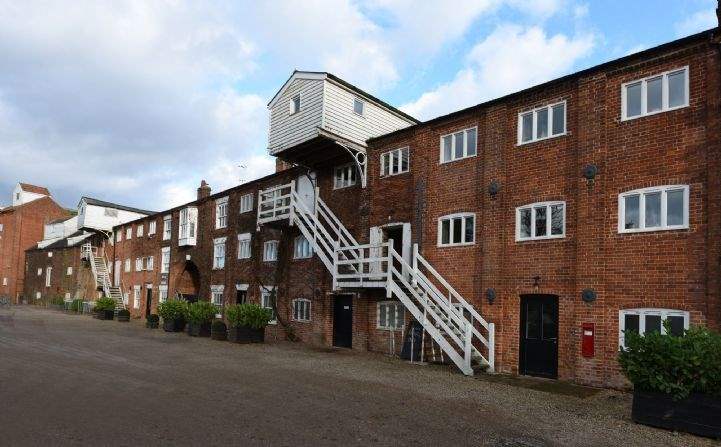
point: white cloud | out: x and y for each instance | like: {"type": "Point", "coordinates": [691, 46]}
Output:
{"type": "Point", "coordinates": [697, 22]}
{"type": "Point", "coordinates": [509, 59]}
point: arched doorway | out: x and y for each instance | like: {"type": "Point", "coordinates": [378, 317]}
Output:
{"type": "Point", "coordinates": [188, 285]}
{"type": "Point", "coordinates": [538, 350]}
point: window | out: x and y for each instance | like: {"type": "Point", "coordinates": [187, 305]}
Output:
{"type": "Point", "coordinates": [167, 227]}
{"type": "Point", "coordinates": [295, 104]}
{"type": "Point", "coordinates": [345, 176]}
{"type": "Point", "coordinates": [1, 228]}
{"type": "Point", "coordinates": [151, 227]}
{"type": "Point", "coordinates": [109, 212]}
{"type": "Point", "coordinates": [138, 264]}
{"type": "Point", "coordinates": [216, 297]}
{"type": "Point", "coordinates": [162, 293]}
{"type": "Point", "coordinates": [128, 233]}
{"type": "Point", "coordinates": [48, 273]}
{"type": "Point", "coordinates": [188, 224]}
{"type": "Point", "coordinates": [301, 309]}
{"type": "Point", "coordinates": [69, 271]}
{"type": "Point", "coordinates": [127, 265]}
{"type": "Point", "coordinates": [5, 281]}
{"type": "Point", "coordinates": [67, 296]}
{"type": "Point", "coordinates": [391, 315]}
{"type": "Point", "coordinates": [149, 263]}
{"type": "Point", "coordinates": [244, 246]}
{"type": "Point", "coordinates": [270, 251]}
{"type": "Point", "coordinates": [136, 297]}
{"type": "Point", "coordinates": [268, 300]}
{"type": "Point", "coordinates": [40, 271]}
{"type": "Point", "coordinates": [246, 203]}
{"type": "Point", "coordinates": [139, 231]}
{"type": "Point", "coordinates": [221, 213]}
{"type": "Point", "coordinates": [219, 253]}
{"type": "Point", "coordinates": [653, 209]}
{"type": "Point", "coordinates": [241, 293]}
{"type": "Point", "coordinates": [457, 229]}
{"type": "Point", "coordinates": [642, 321]}
{"type": "Point", "coordinates": [358, 106]}
{"type": "Point", "coordinates": [655, 94]}
{"type": "Point", "coordinates": [165, 260]}
{"type": "Point", "coordinates": [37, 294]}
{"type": "Point", "coordinates": [458, 145]}
{"type": "Point", "coordinates": [119, 236]}
{"type": "Point", "coordinates": [50, 254]}
{"type": "Point", "coordinates": [394, 162]}
{"type": "Point", "coordinates": [545, 220]}
{"type": "Point", "coordinates": [302, 248]}
{"type": "Point", "coordinates": [542, 123]}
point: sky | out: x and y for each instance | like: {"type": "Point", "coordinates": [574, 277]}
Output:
{"type": "Point", "coordinates": [135, 102]}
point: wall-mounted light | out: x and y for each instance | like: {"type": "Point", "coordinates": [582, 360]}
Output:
{"type": "Point", "coordinates": [491, 295]}
{"type": "Point", "coordinates": [589, 173]}
{"type": "Point", "coordinates": [588, 295]}
{"type": "Point", "coordinates": [536, 283]}
{"type": "Point", "coordinates": [494, 188]}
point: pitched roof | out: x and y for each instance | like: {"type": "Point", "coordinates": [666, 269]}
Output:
{"type": "Point", "coordinates": [35, 189]}
{"type": "Point", "coordinates": [97, 202]}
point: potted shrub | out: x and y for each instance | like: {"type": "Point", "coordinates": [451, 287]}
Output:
{"type": "Point", "coordinates": [57, 303]}
{"type": "Point", "coordinates": [104, 308]}
{"type": "Point", "coordinates": [173, 313]}
{"type": "Point", "coordinates": [218, 330]}
{"type": "Point", "coordinates": [200, 317]}
{"type": "Point", "coordinates": [676, 380]}
{"type": "Point", "coordinates": [124, 315]}
{"type": "Point", "coordinates": [76, 305]}
{"type": "Point", "coordinates": [247, 323]}
{"type": "Point", "coordinates": [152, 321]}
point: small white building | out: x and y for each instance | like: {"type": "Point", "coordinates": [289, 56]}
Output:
{"type": "Point", "coordinates": [24, 193]}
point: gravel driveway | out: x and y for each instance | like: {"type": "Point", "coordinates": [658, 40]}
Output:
{"type": "Point", "coordinates": [73, 380]}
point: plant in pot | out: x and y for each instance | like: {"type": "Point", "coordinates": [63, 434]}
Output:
{"type": "Point", "coordinates": [200, 317]}
{"type": "Point", "coordinates": [105, 308]}
{"type": "Point", "coordinates": [676, 380]}
{"type": "Point", "coordinates": [124, 315]}
{"type": "Point", "coordinates": [174, 314]}
{"type": "Point", "coordinates": [152, 321]}
{"type": "Point", "coordinates": [76, 305]}
{"type": "Point", "coordinates": [218, 330]}
{"type": "Point", "coordinates": [57, 303]}
{"type": "Point", "coordinates": [247, 323]}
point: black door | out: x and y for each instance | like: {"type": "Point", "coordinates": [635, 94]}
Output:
{"type": "Point", "coordinates": [396, 233]}
{"type": "Point", "coordinates": [343, 321]}
{"type": "Point", "coordinates": [148, 301]}
{"type": "Point", "coordinates": [539, 336]}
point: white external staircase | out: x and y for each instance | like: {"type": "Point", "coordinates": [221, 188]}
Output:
{"type": "Point", "coordinates": [101, 274]}
{"type": "Point", "coordinates": [460, 331]}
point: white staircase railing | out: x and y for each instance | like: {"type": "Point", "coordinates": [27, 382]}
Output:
{"type": "Point", "coordinates": [449, 319]}
{"type": "Point", "coordinates": [101, 275]}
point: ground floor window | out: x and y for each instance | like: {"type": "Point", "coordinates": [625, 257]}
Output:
{"type": "Point", "coordinates": [644, 321]}
{"type": "Point", "coordinates": [391, 315]}
{"type": "Point", "coordinates": [136, 297]}
{"type": "Point", "coordinates": [241, 293]}
{"type": "Point", "coordinates": [217, 298]}
{"type": "Point", "coordinates": [268, 300]}
{"type": "Point", "coordinates": [301, 309]}
{"type": "Point", "coordinates": [162, 294]}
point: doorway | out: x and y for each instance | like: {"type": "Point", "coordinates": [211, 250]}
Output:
{"type": "Point", "coordinates": [401, 235]}
{"type": "Point", "coordinates": [305, 187]}
{"type": "Point", "coordinates": [343, 321]}
{"type": "Point", "coordinates": [148, 299]}
{"type": "Point", "coordinates": [538, 353]}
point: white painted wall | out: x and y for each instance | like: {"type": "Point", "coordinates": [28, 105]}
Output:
{"type": "Point", "coordinates": [287, 130]}
{"type": "Point", "coordinates": [21, 197]}
{"type": "Point", "coordinates": [102, 218]}
{"type": "Point", "coordinates": [61, 229]}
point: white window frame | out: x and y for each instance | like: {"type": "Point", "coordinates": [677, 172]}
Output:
{"type": "Point", "coordinates": [217, 297]}
{"type": "Point", "coordinates": [362, 106]}
{"type": "Point", "coordinates": [5, 281]}
{"type": "Point", "coordinates": [139, 230]}
{"type": "Point", "coordinates": [386, 159]}
{"type": "Point", "coordinates": [386, 326]}
{"type": "Point", "coordinates": [40, 271]}
{"type": "Point", "coordinates": [69, 271]}
{"type": "Point", "coordinates": [549, 222]}
{"type": "Point", "coordinates": [138, 264]}
{"type": "Point", "coordinates": [244, 242]}
{"type": "Point", "coordinates": [129, 233]}
{"type": "Point", "coordinates": [246, 203]}
{"type": "Point", "coordinates": [221, 213]}
{"type": "Point", "coordinates": [167, 227]}
{"type": "Point", "coordinates": [162, 293]}
{"type": "Point", "coordinates": [152, 227]}
{"type": "Point", "coordinates": [119, 236]}
{"type": "Point", "coordinates": [264, 295]}
{"type": "Point", "coordinates": [149, 263]}
{"type": "Point", "coordinates": [534, 130]}
{"type": "Point", "coordinates": [451, 217]}
{"type": "Point", "coordinates": [292, 109]}
{"type": "Point", "coordinates": [304, 254]}
{"type": "Point", "coordinates": [165, 260]}
{"type": "Point", "coordinates": [301, 308]}
{"type": "Point", "coordinates": [644, 94]}
{"type": "Point", "coordinates": [136, 296]}
{"type": "Point", "coordinates": [48, 275]}
{"type": "Point", "coordinates": [642, 312]}
{"type": "Point", "coordinates": [348, 176]}
{"type": "Point", "coordinates": [127, 265]}
{"type": "Point", "coordinates": [642, 209]}
{"type": "Point", "coordinates": [452, 135]}
{"type": "Point", "coordinates": [219, 253]}
{"type": "Point", "coordinates": [266, 252]}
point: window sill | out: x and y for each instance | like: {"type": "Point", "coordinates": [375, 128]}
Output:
{"type": "Point", "coordinates": [653, 230]}
{"type": "Point", "coordinates": [457, 159]}
{"type": "Point", "coordinates": [525, 143]}
{"type": "Point", "coordinates": [670, 109]}
{"type": "Point", "coordinates": [389, 329]}
{"type": "Point", "coordinates": [543, 238]}
{"type": "Point", "coordinates": [462, 244]}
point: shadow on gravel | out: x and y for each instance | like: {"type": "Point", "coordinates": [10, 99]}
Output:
{"type": "Point", "coordinates": [538, 384]}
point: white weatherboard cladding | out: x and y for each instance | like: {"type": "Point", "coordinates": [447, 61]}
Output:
{"type": "Point", "coordinates": [287, 130]}
{"type": "Point", "coordinates": [61, 229]}
{"type": "Point", "coordinates": [95, 217]}
{"type": "Point", "coordinates": [25, 196]}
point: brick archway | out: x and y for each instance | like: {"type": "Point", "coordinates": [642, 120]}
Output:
{"type": "Point", "coordinates": [188, 284]}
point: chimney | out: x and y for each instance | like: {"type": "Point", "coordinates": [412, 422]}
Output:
{"type": "Point", "coordinates": [204, 190]}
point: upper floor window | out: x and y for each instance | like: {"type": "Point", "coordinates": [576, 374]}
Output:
{"type": "Point", "coordinates": [394, 162]}
{"type": "Point", "coordinates": [219, 253]}
{"type": "Point", "coordinates": [270, 251]}
{"type": "Point", "coordinates": [151, 227]}
{"type": "Point", "coordinates": [119, 236]}
{"type": "Point", "coordinates": [302, 248]}
{"type": "Point", "coordinates": [129, 232]}
{"type": "Point", "coordinates": [48, 273]}
{"type": "Point", "coordinates": [295, 104]}
{"type": "Point", "coordinates": [655, 94]}
{"type": "Point", "coordinates": [139, 231]}
{"type": "Point", "coordinates": [457, 229]}
{"type": "Point", "coordinates": [188, 222]}
{"type": "Point", "coordinates": [162, 293]}
{"type": "Point", "coordinates": [165, 260]}
{"type": "Point", "coordinates": [541, 123]}
{"type": "Point", "coordinates": [545, 220]}
{"type": "Point", "coordinates": [643, 321]}
{"type": "Point", "coordinates": [458, 145]}
{"type": "Point", "coordinates": [358, 106]}
{"type": "Point", "coordinates": [221, 213]}
{"type": "Point", "coordinates": [167, 227]}
{"type": "Point", "coordinates": [149, 263]}
{"type": "Point", "coordinates": [344, 176]}
{"type": "Point", "coordinates": [652, 209]}
{"type": "Point", "coordinates": [246, 203]}
{"type": "Point", "coordinates": [244, 246]}
{"type": "Point", "coordinates": [301, 309]}
{"type": "Point", "coordinates": [138, 264]}
{"type": "Point", "coordinates": [127, 265]}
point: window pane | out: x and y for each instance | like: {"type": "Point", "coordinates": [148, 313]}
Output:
{"type": "Point", "coordinates": [399, 316]}
{"type": "Point", "coordinates": [540, 221]}
{"type": "Point", "coordinates": [383, 318]}
{"type": "Point", "coordinates": [677, 89]}
{"type": "Point", "coordinates": [631, 323]}
{"type": "Point", "coordinates": [459, 145]}
{"type": "Point", "coordinates": [542, 123]}
{"type": "Point", "coordinates": [631, 205]}
{"type": "Point", "coordinates": [525, 222]}
{"type": "Point", "coordinates": [471, 142]}
{"type": "Point", "coordinates": [674, 207]}
{"type": "Point", "coordinates": [445, 232]}
{"type": "Point", "coordinates": [447, 142]}
{"type": "Point", "coordinates": [557, 219]}
{"type": "Point", "coordinates": [396, 162]}
{"type": "Point", "coordinates": [404, 160]}
{"type": "Point", "coordinates": [527, 129]}
{"type": "Point", "coordinates": [654, 95]}
{"type": "Point", "coordinates": [676, 323]}
{"type": "Point", "coordinates": [653, 210]}
{"type": "Point", "coordinates": [457, 231]}
{"type": "Point", "coordinates": [386, 158]}
{"type": "Point", "coordinates": [559, 119]}
{"type": "Point", "coordinates": [469, 230]}
{"type": "Point", "coordinates": [633, 99]}
{"type": "Point", "coordinates": [653, 323]}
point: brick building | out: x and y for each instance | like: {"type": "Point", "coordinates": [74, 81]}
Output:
{"type": "Point", "coordinates": [21, 226]}
{"type": "Point", "coordinates": [523, 234]}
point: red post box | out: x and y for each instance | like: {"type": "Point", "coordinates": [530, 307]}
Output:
{"type": "Point", "coordinates": [587, 335]}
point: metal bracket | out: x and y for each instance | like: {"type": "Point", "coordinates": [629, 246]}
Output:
{"type": "Point", "coordinates": [361, 160]}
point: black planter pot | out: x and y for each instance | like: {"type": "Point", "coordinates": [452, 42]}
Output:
{"type": "Point", "coordinates": [105, 314]}
{"type": "Point", "coordinates": [174, 325]}
{"type": "Point", "coordinates": [198, 329]}
{"type": "Point", "coordinates": [123, 318]}
{"type": "Point", "coordinates": [243, 334]}
{"type": "Point", "coordinates": [218, 335]}
{"type": "Point", "coordinates": [697, 414]}
{"type": "Point", "coordinates": [151, 324]}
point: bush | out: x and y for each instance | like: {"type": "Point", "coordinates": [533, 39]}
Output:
{"type": "Point", "coordinates": [124, 313]}
{"type": "Point", "coordinates": [57, 301]}
{"type": "Point", "coordinates": [104, 303]}
{"type": "Point", "coordinates": [677, 366]}
{"type": "Point", "coordinates": [218, 326]}
{"type": "Point", "coordinates": [249, 315]}
{"type": "Point", "coordinates": [76, 305]}
{"type": "Point", "coordinates": [173, 310]}
{"type": "Point", "coordinates": [153, 318]}
{"type": "Point", "coordinates": [201, 312]}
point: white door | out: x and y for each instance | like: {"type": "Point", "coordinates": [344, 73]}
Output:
{"type": "Point", "coordinates": [306, 190]}
{"type": "Point", "coordinates": [375, 238]}
{"type": "Point", "coordinates": [116, 275]}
